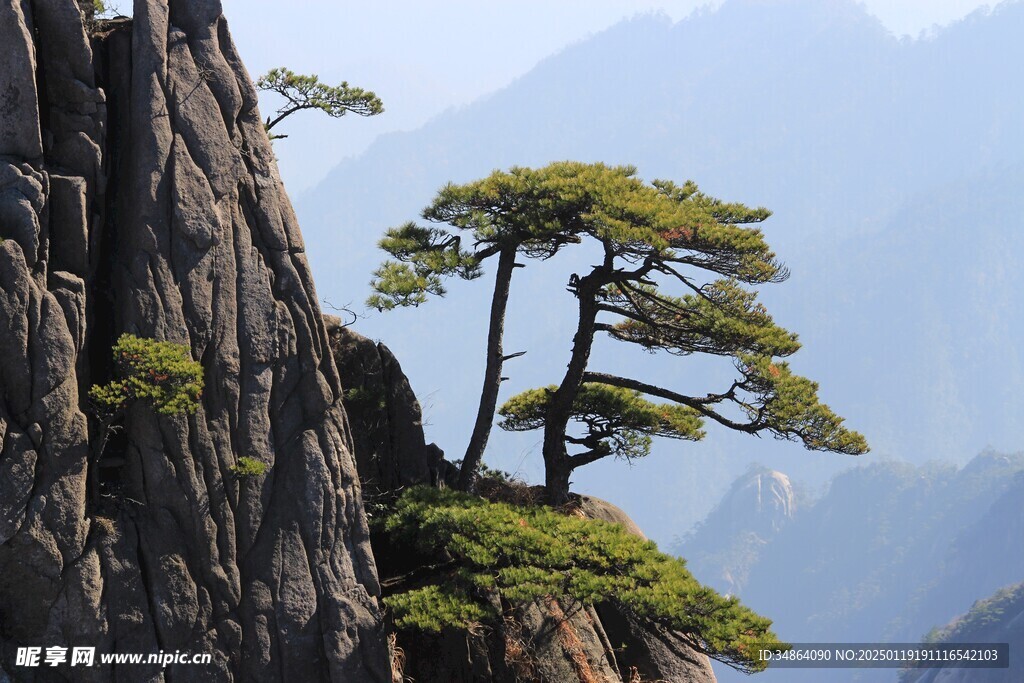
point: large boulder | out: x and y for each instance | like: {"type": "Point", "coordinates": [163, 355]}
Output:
{"type": "Point", "coordinates": [139, 194]}
{"type": "Point", "coordinates": [384, 413]}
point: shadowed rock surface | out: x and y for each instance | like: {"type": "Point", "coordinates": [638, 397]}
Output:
{"type": "Point", "coordinates": [387, 422]}
{"type": "Point", "coordinates": [138, 194]}
{"type": "Point", "coordinates": [547, 641]}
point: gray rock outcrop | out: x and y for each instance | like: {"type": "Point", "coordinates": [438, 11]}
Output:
{"type": "Point", "coordinates": [139, 194]}
{"type": "Point", "coordinates": [387, 422]}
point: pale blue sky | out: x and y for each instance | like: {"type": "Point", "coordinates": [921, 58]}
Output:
{"type": "Point", "coordinates": [423, 58]}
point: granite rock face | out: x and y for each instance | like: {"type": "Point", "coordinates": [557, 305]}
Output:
{"type": "Point", "coordinates": [385, 416]}
{"type": "Point", "coordinates": [139, 194]}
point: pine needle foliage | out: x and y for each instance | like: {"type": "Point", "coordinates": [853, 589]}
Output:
{"type": "Point", "coordinates": [526, 553]}
{"type": "Point", "coordinates": [423, 257]}
{"type": "Point", "coordinates": [619, 422]}
{"type": "Point", "coordinates": [160, 373]}
{"type": "Point", "coordinates": [787, 406]}
{"type": "Point", "coordinates": [302, 92]}
{"type": "Point", "coordinates": [722, 318]}
{"type": "Point", "coordinates": [248, 467]}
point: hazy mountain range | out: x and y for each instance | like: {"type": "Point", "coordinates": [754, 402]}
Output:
{"type": "Point", "coordinates": [894, 168]}
{"type": "Point", "coordinates": [891, 551]}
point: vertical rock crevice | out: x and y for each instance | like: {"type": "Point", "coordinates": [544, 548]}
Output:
{"type": "Point", "coordinates": [138, 193]}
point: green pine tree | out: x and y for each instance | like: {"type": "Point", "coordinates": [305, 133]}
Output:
{"type": "Point", "coordinates": [651, 236]}
{"type": "Point", "coordinates": [302, 92]}
{"type": "Point", "coordinates": [528, 212]}
{"type": "Point", "coordinates": [160, 374]}
{"type": "Point", "coordinates": [472, 549]}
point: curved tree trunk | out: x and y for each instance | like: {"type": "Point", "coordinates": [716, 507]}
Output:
{"type": "Point", "coordinates": [492, 371]}
{"type": "Point", "coordinates": [557, 465]}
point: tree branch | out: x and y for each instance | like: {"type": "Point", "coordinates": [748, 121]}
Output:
{"type": "Point", "coordinates": [669, 270]}
{"type": "Point", "coordinates": [587, 457]}
{"type": "Point", "coordinates": [697, 404]}
{"type": "Point", "coordinates": [607, 308]}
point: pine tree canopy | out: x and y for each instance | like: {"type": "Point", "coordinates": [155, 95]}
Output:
{"type": "Point", "coordinates": [618, 421]}
{"type": "Point", "coordinates": [538, 211]}
{"type": "Point", "coordinates": [161, 373]}
{"type": "Point", "coordinates": [720, 318]}
{"type": "Point", "coordinates": [302, 91]}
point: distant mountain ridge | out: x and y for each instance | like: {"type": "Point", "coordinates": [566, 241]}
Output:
{"type": "Point", "coordinates": [890, 552]}
{"type": "Point", "coordinates": [729, 542]}
{"type": "Point", "coordinates": [892, 166]}
{"type": "Point", "coordinates": [997, 619]}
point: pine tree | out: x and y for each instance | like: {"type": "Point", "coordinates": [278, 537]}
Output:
{"type": "Point", "coordinates": [160, 374]}
{"type": "Point", "coordinates": [526, 212]}
{"type": "Point", "coordinates": [649, 234]}
{"type": "Point", "coordinates": [473, 551]}
{"type": "Point", "coordinates": [301, 92]}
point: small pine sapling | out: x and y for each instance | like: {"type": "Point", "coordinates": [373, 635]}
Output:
{"type": "Point", "coordinates": [161, 374]}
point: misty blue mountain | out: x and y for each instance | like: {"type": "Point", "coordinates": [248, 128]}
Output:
{"type": "Point", "coordinates": [891, 551]}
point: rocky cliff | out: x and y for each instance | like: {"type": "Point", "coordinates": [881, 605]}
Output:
{"type": "Point", "coordinates": [387, 422]}
{"type": "Point", "coordinates": [138, 194]}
